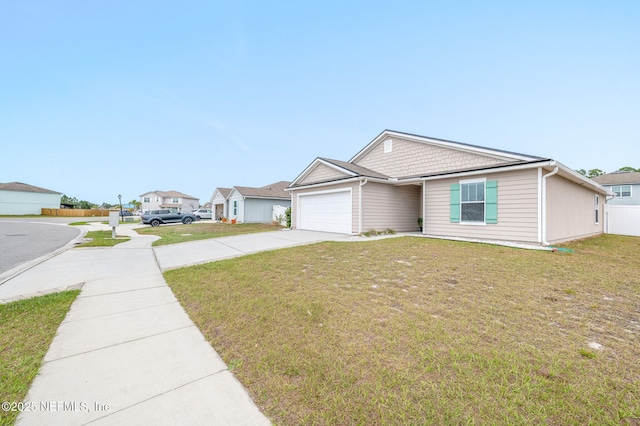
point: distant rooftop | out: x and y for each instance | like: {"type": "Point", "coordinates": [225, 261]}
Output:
{"type": "Point", "coordinates": [618, 178]}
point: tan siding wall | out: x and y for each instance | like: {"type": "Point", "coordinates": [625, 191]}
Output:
{"type": "Point", "coordinates": [571, 211]}
{"type": "Point", "coordinates": [391, 207]}
{"type": "Point", "coordinates": [517, 209]}
{"type": "Point", "coordinates": [322, 173]}
{"type": "Point", "coordinates": [354, 202]}
{"type": "Point", "coordinates": [410, 158]}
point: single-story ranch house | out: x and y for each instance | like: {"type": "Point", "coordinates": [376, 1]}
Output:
{"type": "Point", "coordinates": [250, 205]}
{"type": "Point", "coordinates": [17, 198]}
{"type": "Point", "coordinates": [402, 181]}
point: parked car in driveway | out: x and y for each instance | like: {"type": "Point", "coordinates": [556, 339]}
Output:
{"type": "Point", "coordinates": [158, 217]}
{"type": "Point", "coordinates": [203, 214]}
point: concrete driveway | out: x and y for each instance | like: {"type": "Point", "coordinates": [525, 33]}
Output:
{"type": "Point", "coordinates": [196, 252]}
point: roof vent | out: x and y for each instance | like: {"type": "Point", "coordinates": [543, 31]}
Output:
{"type": "Point", "coordinates": [388, 146]}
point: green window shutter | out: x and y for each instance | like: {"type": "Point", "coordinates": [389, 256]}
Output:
{"type": "Point", "coordinates": [491, 201]}
{"type": "Point", "coordinates": [455, 203]}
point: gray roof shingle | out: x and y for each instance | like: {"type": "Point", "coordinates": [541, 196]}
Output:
{"type": "Point", "coordinates": [23, 187]}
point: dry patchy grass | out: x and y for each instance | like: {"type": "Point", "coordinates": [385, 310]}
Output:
{"type": "Point", "coordinates": [27, 328]}
{"type": "Point", "coordinates": [419, 331]}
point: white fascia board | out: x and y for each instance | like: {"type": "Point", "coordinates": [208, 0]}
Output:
{"type": "Point", "coordinates": [491, 170]}
{"type": "Point", "coordinates": [576, 177]}
{"type": "Point", "coordinates": [315, 163]}
{"type": "Point", "coordinates": [321, 184]}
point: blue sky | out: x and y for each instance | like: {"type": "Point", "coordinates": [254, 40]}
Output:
{"type": "Point", "coordinates": [124, 97]}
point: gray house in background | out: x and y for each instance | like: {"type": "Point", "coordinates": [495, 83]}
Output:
{"type": "Point", "coordinates": [17, 198]}
{"type": "Point", "coordinates": [255, 205]}
{"type": "Point", "coordinates": [625, 186]}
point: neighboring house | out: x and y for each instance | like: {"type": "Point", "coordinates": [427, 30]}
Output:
{"type": "Point", "coordinates": [168, 200]}
{"type": "Point", "coordinates": [458, 190]}
{"type": "Point", "coordinates": [255, 205]}
{"type": "Point", "coordinates": [623, 211]}
{"type": "Point", "coordinates": [219, 203]}
{"type": "Point", "coordinates": [17, 198]}
{"type": "Point", "coordinates": [625, 186]}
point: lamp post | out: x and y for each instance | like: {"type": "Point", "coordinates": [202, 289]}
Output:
{"type": "Point", "coordinates": [120, 201]}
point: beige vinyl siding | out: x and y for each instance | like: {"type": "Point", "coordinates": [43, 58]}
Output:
{"type": "Point", "coordinates": [517, 209]}
{"type": "Point", "coordinates": [390, 207]}
{"type": "Point", "coordinates": [409, 158]}
{"type": "Point", "coordinates": [571, 211]}
{"type": "Point", "coordinates": [354, 201]}
{"type": "Point", "coordinates": [322, 173]}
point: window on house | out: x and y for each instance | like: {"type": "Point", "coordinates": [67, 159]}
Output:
{"type": "Point", "coordinates": [146, 200]}
{"type": "Point", "coordinates": [235, 208]}
{"type": "Point", "coordinates": [597, 199]}
{"type": "Point", "coordinates": [175, 200]}
{"type": "Point", "coordinates": [472, 202]}
{"type": "Point", "coordinates": [622, 190]}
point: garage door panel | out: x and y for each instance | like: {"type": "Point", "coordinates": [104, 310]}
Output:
{"type": "Point", "coordinates": [329, 212]}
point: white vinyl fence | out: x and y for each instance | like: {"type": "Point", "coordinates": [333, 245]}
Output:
{"type": "Point", "coordinates": [623, 220]}
{"type": "Point", "coordinates": [279, 215]}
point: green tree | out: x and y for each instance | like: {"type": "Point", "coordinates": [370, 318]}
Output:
{"type": "Point", "coordinates": [583, 172]}
{"type": "Point", "coordinates": [594, 172]}
{"type": "Point", "coordinates": [628, 169]}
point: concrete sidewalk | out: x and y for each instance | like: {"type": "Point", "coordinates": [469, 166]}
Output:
{"type": "Point", "coordinates": [127, 352]}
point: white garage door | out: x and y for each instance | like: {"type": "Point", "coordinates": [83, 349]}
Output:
{"type": "Point", "coordinates": [329, 212]}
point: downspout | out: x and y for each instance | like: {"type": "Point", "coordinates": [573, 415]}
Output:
{"type": "Point", "coordinates": [544, 204]}
{"type": "Point", "coordinates": [362, 183]}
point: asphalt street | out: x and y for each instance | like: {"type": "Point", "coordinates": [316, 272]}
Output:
{"type": "Point", "coordinates": [25, 240]}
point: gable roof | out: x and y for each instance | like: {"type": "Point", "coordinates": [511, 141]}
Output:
{"type": "Point", "coordinates": [23, 187]}
{"type": "Point", "coordinates": [350, 170]}
{"type": "Point", "coordinates": [476, 149]}
{"type": "Point", "coordinates": [510, 161]}
{"type": "Point", "coordinates": [170, 194]}
{"type": "Point", "coordinates": [274, 190]}
{"type": "Point", "coordinates": [618, 178]}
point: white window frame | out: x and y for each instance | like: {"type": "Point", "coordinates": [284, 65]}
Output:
{"type": "Point", "coordinates": [621, 191]}
{"type": "Point", "coordinates": [484, 202]}
{"type": "Point", "coordinates": [597, 209]}
{"type": "Point", "coordinates": [146, 199]}
{"type": "Point", "coordinates": [175, 200]}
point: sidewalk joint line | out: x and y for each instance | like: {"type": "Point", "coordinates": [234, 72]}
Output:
{"type": "Point", "coordinates": [159, 395]}
{"type": "Point", "coordinates": [120, 343]}
{"type": "Point", "coordinates": [65, 321]}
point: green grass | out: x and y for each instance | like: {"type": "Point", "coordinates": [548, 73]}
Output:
{"type": "Point", "coordinates": [172, 234]}
{"type": "Point", "coordinates": [103, 239]}
{"type": "Point", "coordinates": [27, 328]}
{"type": "Point", "coordinates": [418, 331]}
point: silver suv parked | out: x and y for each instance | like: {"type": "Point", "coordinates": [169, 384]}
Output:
{"type": "Point", "coordinates": [156, 217]}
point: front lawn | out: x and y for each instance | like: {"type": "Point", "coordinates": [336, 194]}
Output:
{"type": "Point", "coordinates": [172, 234]}
{"type": "Point", "coordinates": [27, 328]}
{"type": "Point", "coordinates": [418, 331]}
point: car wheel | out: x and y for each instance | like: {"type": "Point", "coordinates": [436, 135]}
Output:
{"type": "Point", "coordinates": [155, 222]}
{"type": "Point", "coordinates": [187, 220]}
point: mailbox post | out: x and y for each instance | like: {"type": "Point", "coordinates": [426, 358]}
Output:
{"type": "Point", "coordinates": [113, 222]}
